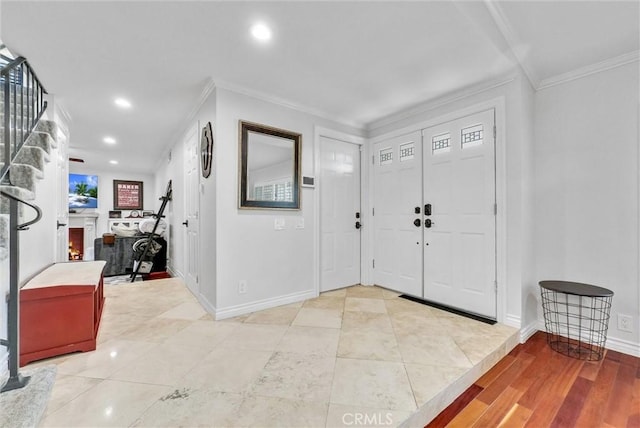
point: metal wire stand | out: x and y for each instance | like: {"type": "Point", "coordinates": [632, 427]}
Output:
{"type": "Point", "coordinates": [576, 317]}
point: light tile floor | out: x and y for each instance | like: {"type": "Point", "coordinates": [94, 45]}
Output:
{"type": "Point", "coordinates": [357, 356]}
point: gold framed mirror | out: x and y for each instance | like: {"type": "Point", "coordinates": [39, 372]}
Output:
{"type": "Point", "coordinates": [269, 167]}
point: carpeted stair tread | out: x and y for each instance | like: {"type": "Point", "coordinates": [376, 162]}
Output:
{"type": "Point", "coordinates": [21, 193]}
{"type": "Point", "coordinates": [30, 155]}
{"type": "Point", "coordinates": [24, 176]}
{"type": "Point", "coordinates": [40, 139]}
{"type": "Point", "coordinates": [48, 127]}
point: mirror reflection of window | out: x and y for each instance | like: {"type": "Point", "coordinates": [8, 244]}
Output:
{"type": "Point", "coordinates": [269, 168]}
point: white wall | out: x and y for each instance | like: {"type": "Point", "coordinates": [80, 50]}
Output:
{"type": "Point", "coordinates": [171, 169]}
{"type": "Point", "coordinates": [174, 170]}
{"type": "Point", "coordinates": [38, 244]}
{"type": "Point", "coordinates": [586, 188]}
{"type": "Point", "coordinates": [275, 264]}
{"type": "Point", "coordinates": [105, 192]}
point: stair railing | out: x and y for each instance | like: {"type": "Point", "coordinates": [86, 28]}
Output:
{"type": "Point", "coordinates": [12, 343]}
{"type": "Point", "coordinates": [24, 97]}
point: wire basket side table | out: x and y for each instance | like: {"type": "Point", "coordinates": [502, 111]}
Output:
{"type": "Point", "coordinates": [576, 317]}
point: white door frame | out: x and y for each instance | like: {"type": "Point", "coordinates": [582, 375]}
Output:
{"type": "Point", "coordinates": [320, 131]}
{"type": "Point", "coordinates": [499, 104]}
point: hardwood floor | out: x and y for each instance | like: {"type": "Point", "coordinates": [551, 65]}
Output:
{"type": "Point", "coordinates": [537, 387]}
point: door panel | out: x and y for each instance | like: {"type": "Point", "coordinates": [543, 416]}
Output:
{"type": "Point", "coordinates": [192, 208]}
{"type": "Point", "coordinates": [339, 203]}
{"type": "Point", "coordinates": [397, 193]}
{"type": "Point", "coordinates": [62, 200]}
{"type": "Point", "coordinates": [459, 183]}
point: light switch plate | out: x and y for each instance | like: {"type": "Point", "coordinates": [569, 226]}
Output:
{"type": "Point", "coordinates": [300, 223]}
{"type": "Point", "coordinates": [279, 224]}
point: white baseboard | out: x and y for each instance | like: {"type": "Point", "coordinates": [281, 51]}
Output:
{"type": "Point", "coordinates": [624, 346]}
{"type": "Point", "coordinates": [512, 321]}
{"type": "Point", "coordinates": [205, 303]}
{"type": "Point", "coordinates": [529, 330]}
{"type": "Point", "coordinates": [246, 308]}
{"type": "Point", "coordinates": [613, 343]}
{"type": "Point", "coordinates": [175, 273]}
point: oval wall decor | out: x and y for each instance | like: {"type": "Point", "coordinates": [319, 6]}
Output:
{"type": "Point", "coordinates": [206, 149]}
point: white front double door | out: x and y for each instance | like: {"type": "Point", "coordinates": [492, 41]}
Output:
{"type": "Point", "coordinates": [434, 214]}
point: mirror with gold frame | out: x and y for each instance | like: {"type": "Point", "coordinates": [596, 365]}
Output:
{"type": "Point", "coordinates": [269, 167]}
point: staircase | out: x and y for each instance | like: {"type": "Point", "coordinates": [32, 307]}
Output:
{"type": "Point", "coordinates": [26, 141]}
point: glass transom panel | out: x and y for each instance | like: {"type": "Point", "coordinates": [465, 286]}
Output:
{"type": "Point", "coordinates": [441, 143]}
{"type": "Point", "coordinates": [407, 151]}
{"type": "Point", "coordinates": [472, 136]}
{"type": "Point", "coordinates": [386, 156]}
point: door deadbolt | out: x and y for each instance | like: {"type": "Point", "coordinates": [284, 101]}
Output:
{"type": "Point", "coordinates": [416, 210]}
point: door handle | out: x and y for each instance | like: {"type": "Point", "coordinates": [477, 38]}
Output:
{"type": "Point", "coordinates": [186, 223]}
{"type": "Point", "coordinates": [59, 225]}
{"type": "Point", "coordinates": [428, 223]}
{"type": "Point", "coordinates": [358, 225]}
{"type": "Point", "coordinates": [416, 222]}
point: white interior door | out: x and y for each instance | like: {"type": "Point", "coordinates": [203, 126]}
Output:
{"type": "Point", "coordinates": [339, 212]}
{"type": "Point", "coordinates": [397, 214]}
{"type": "Point", "coordinates": [192, 210]}
{"type": "Point", "coordinates": [459, 184]}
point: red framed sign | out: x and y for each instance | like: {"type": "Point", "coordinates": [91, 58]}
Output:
{"type": "Point", "coordinates": [127, 195]}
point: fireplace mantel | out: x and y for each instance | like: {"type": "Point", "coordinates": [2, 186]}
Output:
{"type": "Point", "coordinates": [87, 221]}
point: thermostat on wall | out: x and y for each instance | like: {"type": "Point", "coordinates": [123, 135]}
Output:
{"type": "Point", "coordinates": [308, 181]}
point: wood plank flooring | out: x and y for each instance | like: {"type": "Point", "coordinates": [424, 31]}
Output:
{"type": "Point", "coordinates": [536, 387]}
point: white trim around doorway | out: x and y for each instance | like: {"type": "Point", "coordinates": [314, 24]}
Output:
{"type": "Point", "coordinates": [499, 105]}
{"type": "Point", "coordinates": [319, 132]}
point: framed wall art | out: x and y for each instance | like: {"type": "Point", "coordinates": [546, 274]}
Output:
{"type": "Point", "coordinates": [127, 195]}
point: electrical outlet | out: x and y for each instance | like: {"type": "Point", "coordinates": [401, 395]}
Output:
{"type": "Point", "coordinates": [624, 323]}
{"type": "Point", "coordinates": [242, 286]}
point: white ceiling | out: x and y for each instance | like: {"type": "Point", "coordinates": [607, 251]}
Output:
{"type": "Point", "coordinates": [356, 62]}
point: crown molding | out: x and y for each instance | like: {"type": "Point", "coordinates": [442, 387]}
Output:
{"type": "Point", "coordinates": [512, 40]}
{"type": "Point", "coordinates": [263, 96]}
{"type": "Point", "coordinates": [590, 69]}
{"type": "Point", "coordinates": [449, 98]}
{"type": "Point", "coordinates": [208, 87]}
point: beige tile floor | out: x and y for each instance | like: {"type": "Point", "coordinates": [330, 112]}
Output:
{"type": "Point", "coordinates": [359, 356]}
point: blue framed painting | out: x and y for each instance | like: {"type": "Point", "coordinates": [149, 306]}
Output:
{"type": "Point", "coordinates": [83, 191]}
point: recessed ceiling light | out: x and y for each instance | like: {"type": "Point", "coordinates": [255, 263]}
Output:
{"type": "Point", "coordinates": [122, 103]}
{"type": "Point", "coordinates": [109, 140]}
{"type": "Point", "coordinates": [113, 162]}
{"type": "Point", "coordinates": [261, 32]}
